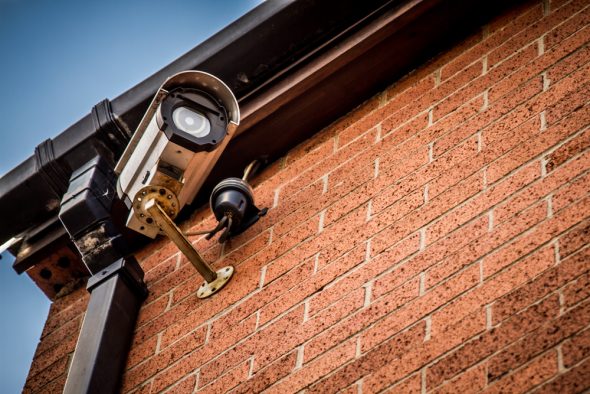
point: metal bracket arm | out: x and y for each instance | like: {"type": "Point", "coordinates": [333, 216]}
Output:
{"type": "Point", "coordinates": [214, 281]}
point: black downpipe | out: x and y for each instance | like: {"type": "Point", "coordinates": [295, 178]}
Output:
{"type": "Point", "coordinates": [116, 286]}
{"type": "Point", "coordinates": [116, 294]}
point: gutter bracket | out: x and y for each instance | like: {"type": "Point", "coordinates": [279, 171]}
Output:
{"type": "Point", "coordinates": [108, 128]}
{"type": "Point", "coordinates": [54, 173]}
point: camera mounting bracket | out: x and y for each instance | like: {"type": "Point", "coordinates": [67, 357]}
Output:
{"type": "Point", "coordinates": [214, 281]}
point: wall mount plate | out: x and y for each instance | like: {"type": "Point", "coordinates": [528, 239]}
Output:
{"type": "Point", "coordinates": [223, 276]}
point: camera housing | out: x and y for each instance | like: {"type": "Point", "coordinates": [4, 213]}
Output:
{"type": "Point", "coordinates": [187, 126]}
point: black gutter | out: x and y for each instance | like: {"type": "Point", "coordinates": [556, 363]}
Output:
{"type": "Point", "coordinates": [245, 54]}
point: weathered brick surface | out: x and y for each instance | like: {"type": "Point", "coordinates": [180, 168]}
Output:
{"type": "Point", "coordinates": [434, 239]}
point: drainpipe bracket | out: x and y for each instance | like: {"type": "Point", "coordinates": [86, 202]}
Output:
{"type": "Point", "coordinates": [128, 268]}
{"type": "Point", "coordinates": [107, 127]}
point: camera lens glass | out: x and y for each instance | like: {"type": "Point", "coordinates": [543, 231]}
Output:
{"type": "Point", "coordinates": [190, 121]}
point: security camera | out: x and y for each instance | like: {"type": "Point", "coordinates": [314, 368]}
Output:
{"type": "Point", "coordinates": [180, 138]}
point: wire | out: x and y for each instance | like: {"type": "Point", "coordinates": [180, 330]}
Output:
{"type": "Point", "coordinates": [249, 169]}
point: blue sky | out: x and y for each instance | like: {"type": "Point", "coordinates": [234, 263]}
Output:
{"type": "Point", "coordinates": [58, 59]}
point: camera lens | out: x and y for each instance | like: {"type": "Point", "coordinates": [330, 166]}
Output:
{"type": "Point", "coordinates": [191, 122]}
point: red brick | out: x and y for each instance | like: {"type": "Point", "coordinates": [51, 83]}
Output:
{"type": "Point", "coordinates": [322, 167]}
{"type": "Point", "coordinates": [538, 65]}
{"type": "Point", "coordinates": [349, 305]}
{"type": "Point", "coordinates": [365, 272]}
{"type": "Point", "coordinates": [269, 293]}
{"type": "Point", "coordinates": [281, 249]}
{"type": "Point", "coordinates": [533, 374]}
{"type": "Point", "coordinates": [490, 341]}
{"type": "Point", "coordinates": [471, 381]}
{"type": "Point", "coordinates": [417, 357]}
{"type": "Point", "coordinates": [304, 204]}
{"type": "Point", "coordinates": [352, 389]}
{"type": "Point", "coordinates": [556, 4]}
{"type": "Point", "coordinates": [269, 375]}
{"type": "Point", "coordinates": [483, 245]}
{"type": "Point", "coordinates": [187, 385]}
{"type": "Point", "coordinates": [497, 75]}
{"type": "Point", "coordinates": [411, 385]}
{"type": "Point", "coordinates": [347, 136]}
{"type": "Point", "coordinates": [376, 358]}
{"type": "Point", "coordinates": [268, 172]}
{"type": "Point", "coordinates": [293, 292]}
{"type": "Point", "coordinates": [197, 311]}
{"type": "Point", "coordinates": [511, 253]}
{"type": "Point", "coordinates": [543, 338]}
{"type": "Point", "coordinates": [540, 286]}
{"type": "Point", "coordinates": [61, 334]}
{"type": "Point", "coordinates": [56, 386]}
{"type": "Point", "coordinates": [532, 148]}
{"type": "Point", "coordinates": [227, 381]}
{"type": "Point", "coordinates": [434, 253]}
{"type": "Point", "coordinates": [319, 367]}
{"type": "Point", "coordinates": [450, 282]}
{"type": "Point", "coordinates": [35, 383]}
{"type": "Point", "coordinates": [447, 88]}
{"type": "Point", "coordinates": [172, 280]}
{"type": "Point", "coordinates": [480, 204]}
{"type": "Point", "coordinates": [331, 237]}
{"type": "Point", "coordinates": [426, 213]}
{"type": "Point", "coordinates": [268, 344]}
{"type": "Point", "coordinates": [351, 175]}
{"type": "Point", "coordinates": [574, 380]}
{"type": "Point", "coordinates": [458, 112]}
{"type": "Point", "coordinates": [362, 319]}
{"type": "Point", "coordinates": [398, 130]}
{"type": "Point", "coordinates": [566, 29]}
{"type": "Point", "coordinates": [499, 107]}
{"type": "Point", "coordinates": [162, 360]}
{"type": "Point", "coordinates": [163, 251]}
{"type": "Point", "coordinates": [577, 291]}
{"type": "Point", "coordinates": [398, 192]}
{"type": "Point", "coordinates": [53, 354]}
{"type": "Point", "coordinates": [533, 32]}
{"type": "Point", "coordinates": [570, 63]}
{"type": "Point", "coordinates": [413, 85]}
{"type": "Point", "coordinates": [542, 188]}
{"type": "Point", "coordinates": [497, 36]}
{"type": "Point", "coordinates": [300, 151]}
{"type": "Point", "coordinates": [162, 269]}
{"type": "Point", "coordinates": [572, 101]}
{"type": "Point", "coordinates": [312, 155]}
{"type": "Point", "coordinates": [152, 310]}
{"type": "Point", "coordinates": [141, 352]}
{"type": "Point", "coordinates": [576, 349]}
{"type": "Point", "coordinates": [189, 287]}
{"type": "Point", "coordinates": [418, 309]}
{"type": "Point", "coordinates": [226, 332]}
{"type": "Point", "coordinates": [73, 307]}
{"type": "Point", "coordinates": [571, 192]}
{"type": "Point", "coordinates": [235, 255]}
{"type": "Point", "coordinates": [575, 239]}
{"type": "Point", "coordinates": [492, 289]}
{"type": "Point", "coordinates": [356, 122]}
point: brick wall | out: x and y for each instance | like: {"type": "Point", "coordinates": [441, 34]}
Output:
{"type": "Point", "coordinates": [434, 239]}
